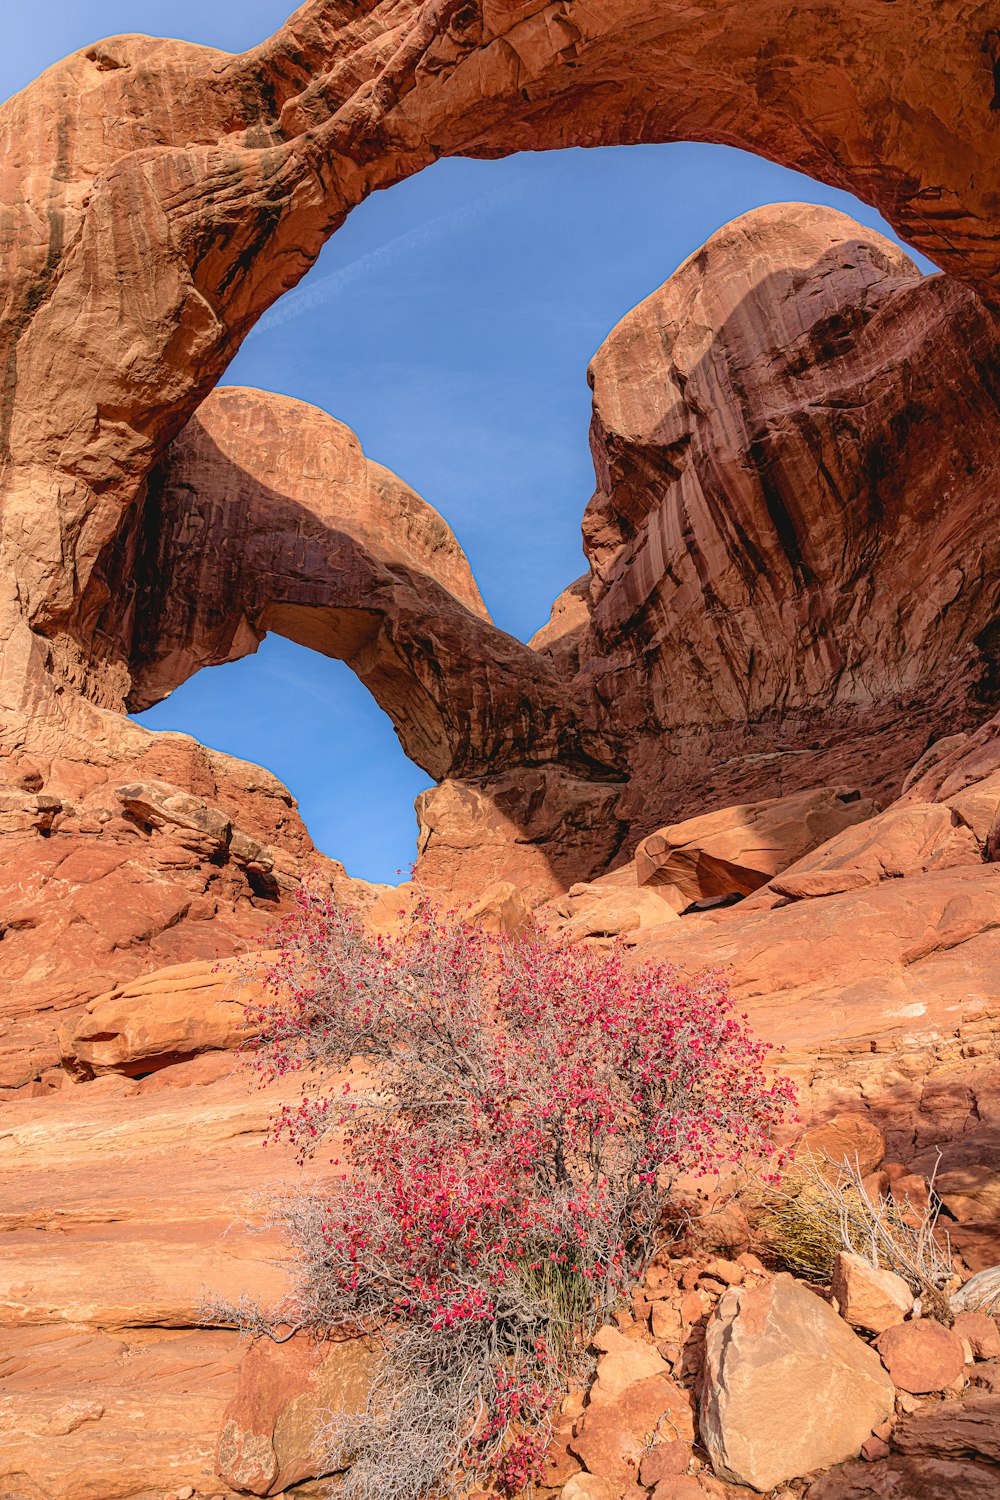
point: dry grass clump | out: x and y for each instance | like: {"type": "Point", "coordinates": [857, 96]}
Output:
{"type": "Point", "coordinates": [821, 1208]}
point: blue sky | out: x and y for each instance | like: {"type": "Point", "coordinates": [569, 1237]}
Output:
{"type": "Point", "coordinates": [450, 323]}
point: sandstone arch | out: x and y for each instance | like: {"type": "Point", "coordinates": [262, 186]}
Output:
{"type": "Point", "coordinates": [264, 514]}
{"type": "Point", "coordinates": [136, 258]}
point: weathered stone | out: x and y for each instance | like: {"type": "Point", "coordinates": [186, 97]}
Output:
{"type": "Point", "coordinates": [846, 1141]}
{"type": "Point", "coordinates": [163, 1018]}
{"type": "Point", "coordinates": [982, 1334]}
{"type": "Point", "coordinates": [787, 1387]}
{"type": "Point", "coordinates": [623, 1363]}
{"type": "Point", "coordinates": [970, 1192]}
{"type": "Point", "coordinates": [270, 1434]}
{"type": "Point", "coordinates": [921, 1356]}
{"type": "Point", "coordinates": [502, 909]}
{"type": "Point", "coordinates": [869, 1297]}
{"type": "Point", "coordinates": [740, 848]}
{"type": "Point", "coordinates": [665, 1460]}
{"type": "Point", "coordinates": [614, 1435]}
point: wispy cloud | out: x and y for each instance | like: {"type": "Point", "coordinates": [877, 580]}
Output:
{"type": "Point", "coordinates": [315, 292]}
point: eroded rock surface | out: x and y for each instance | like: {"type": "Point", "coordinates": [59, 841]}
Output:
{"type": "Point", "coordinates": [767, 541]}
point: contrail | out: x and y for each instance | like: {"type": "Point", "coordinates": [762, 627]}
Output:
{"type": "Point", "coordinates": [294, 304]}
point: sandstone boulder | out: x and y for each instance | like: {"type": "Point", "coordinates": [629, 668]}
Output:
{"type": "Point", "coordinates": [608, 907]}
{"type": "Point", "coordinates": [741, 848]}
{"type": "Point", "coordinates": [270, 1435]}
{"type": "Point", "coordinates": [869, 1298]}
{"type": "Point", "coordinates": [788, 1387]}
{"type": "Point", "coordinates": [921, 1356]}
{"type": "Point", "coordinates": [904, 840]}
{"type": "Point", "coordinates": [502, 909]}
{"type": "Point", "coordinates": [970, 1192]}
{"type": "Point", "coordinates": [161, 1019]}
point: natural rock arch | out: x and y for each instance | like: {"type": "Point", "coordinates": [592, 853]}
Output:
{"type": "Point", "coordinates": [265, 515]}
{"type": "Point", "coordinates": [137, 259]}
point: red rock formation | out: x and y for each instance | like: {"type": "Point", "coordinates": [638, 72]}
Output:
{"type": "Point", "coordinates": [773, 432]}
{"type": "Point", "coordinates": [265, 515]}
{"type": "Point", "coordinates": [165, 194]}
{"type": "Point", "coordinates": [794, 557]}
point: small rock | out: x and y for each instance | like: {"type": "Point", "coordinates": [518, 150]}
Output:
{"type": "Point", "coordinates": [624, 1363]}
{"type": "Point", "coordinates": [868, 1298]}
{"type": "Point", "coordinates": [752, 1264]}
{"type": "Point", "coordinates": [875, 1186]}
{"type": "Point", "coordinates": [921, 1356]}
{"type": "Point", "coordinates": [679, 1487]}
{"type": "Point", "coordinates": [729, 1272]}
{"type": "Point", "coordinates": [873, 1449]}
{"type": "Point", "coordinates": [982, 1333]}
{"type": "Point", "coordinates": [664, 1461]}
{"type": "Point", "coordinates": [910, 1192]}
{"type": "Point", "coordinates": [666, 1322]}
{"type": "Point", "coordinates": [589, 1487]}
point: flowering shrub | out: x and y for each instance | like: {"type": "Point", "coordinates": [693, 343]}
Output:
{"type": "Point", "coordinates": [509, 1119]}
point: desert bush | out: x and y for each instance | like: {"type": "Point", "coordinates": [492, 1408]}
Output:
{"type": "Point", "coordinates": [821, 1208]}
{"type": "Point", "coordinates": [509, 1118]}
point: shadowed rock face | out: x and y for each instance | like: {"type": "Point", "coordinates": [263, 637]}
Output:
{"type": "Point", "coordinates": [795, 527]}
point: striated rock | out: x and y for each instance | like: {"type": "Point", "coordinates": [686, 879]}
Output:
{"type": "Point", "coordinates": [740, 848]}
{"type": "Point", "coordinates": [944, 1451]}
{"type": "Point", "coordinates": [292, 135]}
{"type": "Point", "coordinates": [110, 1416]}
{"type": "Point", "coordinates": [869, 1297]}
{"type": "Point", "coordinates": [921, 1356]}
{"type": "Point", "coordinates": [905, 840]}
{"type": "Point", "coordinates": [161, 1019]}
{"type": "Point", "coordinates": [297, 532]}
{"type": "Point", "coordinates": [883, 996]}
{"type": "Point", "coordinates": [971, 1429]}
{"type": "Point", "coordinates": [920, 1478]}
{"type": "Point", "coordinates": [717, 597]}
{"type": "Point", "coordinates": [787, 1387]}
{"type": "Point", "coordinates": [270, 1434]}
